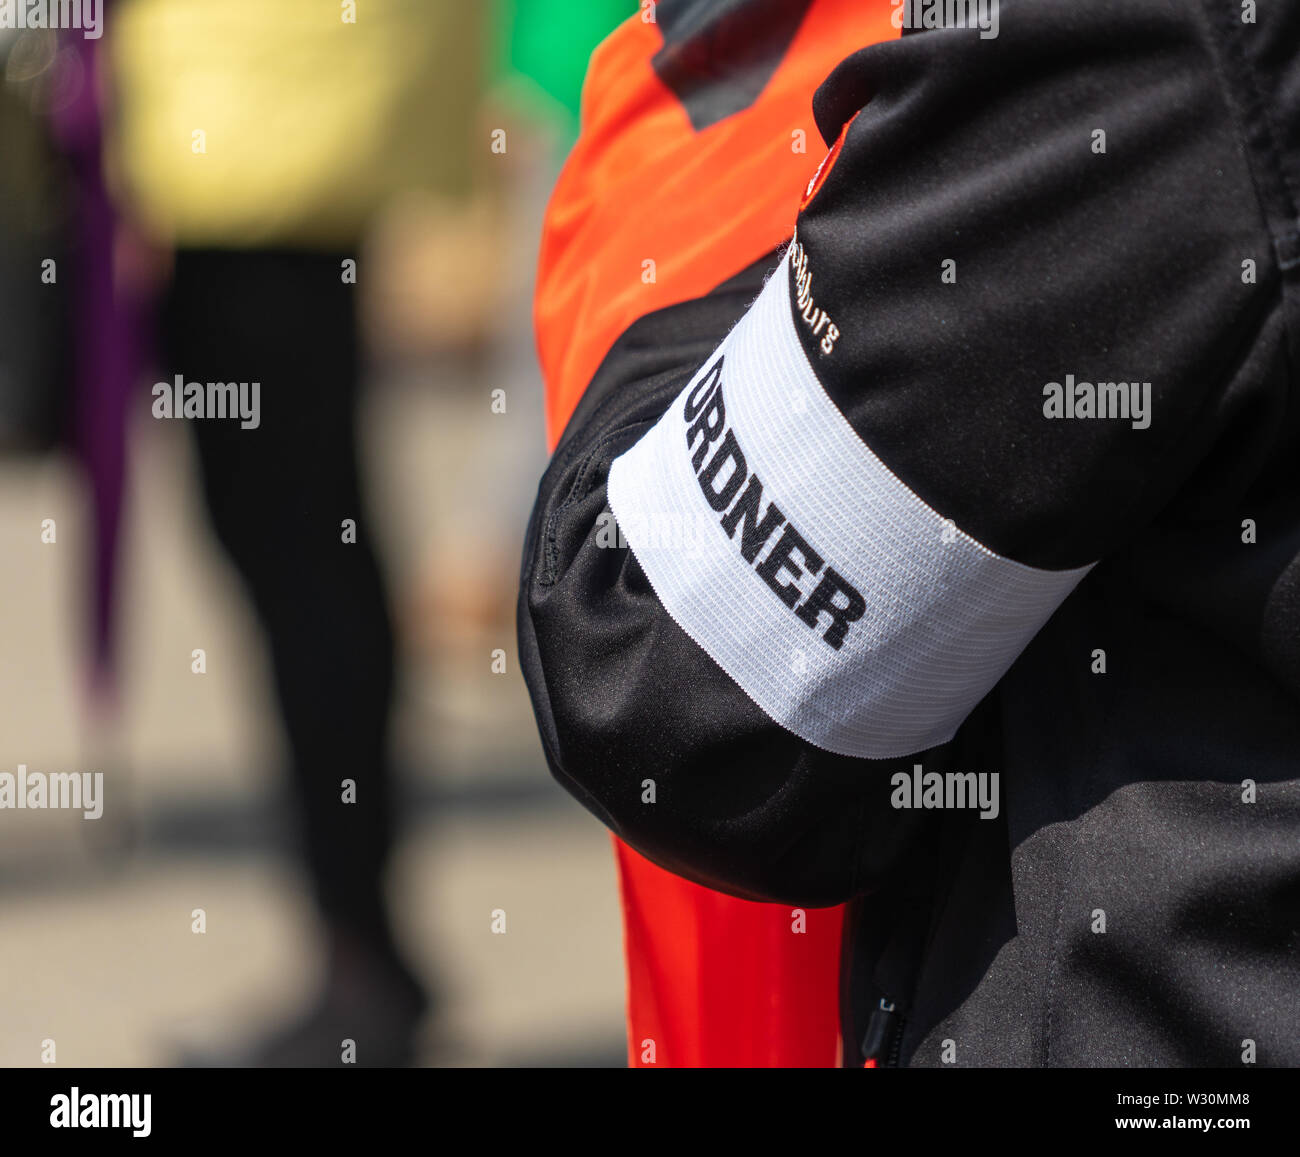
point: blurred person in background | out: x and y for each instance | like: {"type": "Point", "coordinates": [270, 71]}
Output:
{"type": "Point", "coordinates": [236, 236]}
{"type": "Point", "coordinates": [257, 142]}
{"type": "Point", "coordinates": [34, 192]}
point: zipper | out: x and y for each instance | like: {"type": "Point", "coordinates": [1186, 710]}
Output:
{"type": "Point", "coordinates": [883, 1039]}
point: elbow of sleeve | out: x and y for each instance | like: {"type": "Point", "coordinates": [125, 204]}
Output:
{"type": "Point", "coordinates": [653, 738]}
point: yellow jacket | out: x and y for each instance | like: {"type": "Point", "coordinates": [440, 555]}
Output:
{"type": "Point", "coordinates": [279, 122]}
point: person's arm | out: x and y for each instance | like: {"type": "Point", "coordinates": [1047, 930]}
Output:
{"type": "Point", "coordinates": [1011, 332]}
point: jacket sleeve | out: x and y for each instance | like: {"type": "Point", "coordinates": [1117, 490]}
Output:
{"type": "Point", "coordinates": [769, 570]}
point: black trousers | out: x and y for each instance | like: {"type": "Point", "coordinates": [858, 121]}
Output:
{"type": "Point", "coordinates": [278, 496]}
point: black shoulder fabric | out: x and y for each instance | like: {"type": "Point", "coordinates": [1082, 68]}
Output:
{"type": "Point", "coordinates": [1067, 203]}
{"type": "Point", "coordinates": [631, 710]}
{"type": "Point", "coordinates": [718, 55]}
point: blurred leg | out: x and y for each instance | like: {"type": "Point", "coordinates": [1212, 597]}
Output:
{"type": "Point", "coordinates": [278, 496]}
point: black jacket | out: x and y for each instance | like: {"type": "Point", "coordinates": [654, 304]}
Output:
{"type": "Point", "coordinates": [999, 473]}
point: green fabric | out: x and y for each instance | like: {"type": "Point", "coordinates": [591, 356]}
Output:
{"type": "Point", "coordinates": [543, 47]}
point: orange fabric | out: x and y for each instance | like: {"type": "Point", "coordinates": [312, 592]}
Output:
{"type": "Point", "coordinates": [712, 980]}
{"type": "Point", "coordinates": [716, 981]}
{"type": "Point", "coordinates": [641, 185]}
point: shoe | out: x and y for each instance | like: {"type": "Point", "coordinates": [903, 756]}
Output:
{"type": "Point", "coordinates": [368, 1013]}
